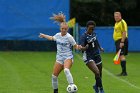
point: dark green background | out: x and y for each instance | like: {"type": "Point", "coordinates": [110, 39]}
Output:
{"type": "Point", "coordinates": [101, 11]}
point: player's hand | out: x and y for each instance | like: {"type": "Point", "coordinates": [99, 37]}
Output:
{"type": "Point", "coordinates": [121, 45]}
{"type": "Point", "coordinates": [79, 47]}
{"type": "Point", "coordinates": [42, 35]}
{"type": "Point", "coordinates": [101, 49]}
{"type": "Point", "coordinates": [87, 46]}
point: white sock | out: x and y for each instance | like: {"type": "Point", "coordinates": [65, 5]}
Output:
{"type": "Point", "coordinates": [68, 76]}
{"type": "Point", "coordinates": [54, 82]}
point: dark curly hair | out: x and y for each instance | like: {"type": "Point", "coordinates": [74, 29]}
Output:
{"type": "Point", "coordinates": [91, 23]}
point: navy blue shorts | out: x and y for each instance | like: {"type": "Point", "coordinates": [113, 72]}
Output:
{"type": "Point", "coordinates": [96, 58]}
{"type": "Point", "coordinates": [124, 50]}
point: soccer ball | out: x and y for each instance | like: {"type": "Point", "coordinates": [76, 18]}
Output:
{"type": "Point", "coordinates": [72, 88]}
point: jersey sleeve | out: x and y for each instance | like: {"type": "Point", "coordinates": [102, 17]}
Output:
{"type": "Point", "coordinates": [55, 36]}
{"type": "Point", "coordinates": [97, 43]}
{"type": "Point", "coordinates": [124, 26]}
{"type": "Point", "coordinates": [72, 41]}
{"type": "Point", "coordinates": [82, 40]}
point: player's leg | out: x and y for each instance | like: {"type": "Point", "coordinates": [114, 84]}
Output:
{"type": "Point", "coordinates": [123, 65]}
{"type": "Point", "coordinates": [56, 70]}
{"type": "Point", "coordinates": [117, 44]}
{"type": "Point", "coordinates": [100, 69]}
{"type": "Point", "coordinates": [124, 52]}
{"type": "Point", "coordinates": [92, 66]}
{"type": "Point", "coordinates": [67, 66]}
{"type": "Point", "coordinates": [123, 59]}
{"type": "Point", "coordinates": [98, 61]}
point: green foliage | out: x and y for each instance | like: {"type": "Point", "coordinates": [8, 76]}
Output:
{"type": "Point", "coordinates": [101, 11]}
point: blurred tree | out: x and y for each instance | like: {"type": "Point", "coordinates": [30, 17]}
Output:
{"type": "Point", "coordinates": [101, 11]}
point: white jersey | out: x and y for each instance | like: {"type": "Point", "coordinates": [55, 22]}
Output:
{"type": "Point", "coordinates": [64, 44]}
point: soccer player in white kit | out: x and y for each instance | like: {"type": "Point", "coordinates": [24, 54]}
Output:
{"type": "Point", "coordinates": [64, 57]}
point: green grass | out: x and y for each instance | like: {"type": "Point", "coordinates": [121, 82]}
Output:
{"type": "Point", "coordinates": [30, 72]}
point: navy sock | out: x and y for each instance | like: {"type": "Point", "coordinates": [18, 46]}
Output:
{"type": "Point", "coordinates": [99, 82]}
{"type": "Point", "coordinates": [123, 65]}
{"type": "Point", "coordinates": [55, 90]}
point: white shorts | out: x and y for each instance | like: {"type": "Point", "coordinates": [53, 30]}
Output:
{"type": "Point", "coordinates": [61, 58]}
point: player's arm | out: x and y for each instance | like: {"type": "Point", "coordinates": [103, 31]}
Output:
{"type": "Point", "coordinates": [123, 39]}
{"type": "Point", "coordinates": [83, 44]}
{"type": "Point", "coordinates": [83, 48]}
{"type": "Point", "coordinates": [123, 34]}
{"type": "Point", "coordinates": [78, 47]}
{"type": "Point", "coordinates": [73, 42]}
{"type": "Point", "coordinates": [98, 45]}
{"type": "Point", "coordinates": [46, 36]}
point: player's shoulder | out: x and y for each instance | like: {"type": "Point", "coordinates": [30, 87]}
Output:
{"type": "Point", "coordinates": [58, 34]}
{"type": "Point", "coordinates": [94, 33]}
{"type": "Point", "coordinates": [123, 21]}
{"type": "Point", "coordinates": [84, 35]}
{"type": "Point", "coordinates": [68, 35]}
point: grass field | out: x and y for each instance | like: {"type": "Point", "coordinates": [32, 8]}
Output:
{"type": "Point", "coordinates": [30, 72]}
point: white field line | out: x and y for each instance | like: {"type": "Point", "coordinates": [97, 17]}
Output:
{"type": "Point", "coordinates": [112, 75]}
{"type": "Point", "coordinates": [123, 80]}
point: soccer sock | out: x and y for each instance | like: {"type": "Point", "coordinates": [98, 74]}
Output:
{"type": "Point", "coordinates": [55, 90]}
{"type": "Point", "coordinates": [123, 65]}
{"type": "Point", "coordinates": [55, 83]}
{"type": "Point", "coordinates": [68, 76]}
{"type": "Point", "coordinates": [99, 82]}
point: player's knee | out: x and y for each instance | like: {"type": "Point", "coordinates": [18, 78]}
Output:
{"type": "Point", "coordinates": [54, 78]}
{"type": "Point", "coordinates": [66, 71]}
{"type": "Point", "coordinates": [97, 73]}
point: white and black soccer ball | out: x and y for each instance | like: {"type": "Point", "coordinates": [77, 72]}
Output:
{"type": "Point", "coordinates": [72, 88]}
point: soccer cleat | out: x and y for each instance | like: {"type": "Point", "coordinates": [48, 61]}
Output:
{"type": "Point", "coordinates": [122, 74]}
{"type": "Point", "coordinates": [102, 91]}
{"type": "Point", "coordinates": [96, 89]}
{"type": "Point", "coordinates": [55, 90]}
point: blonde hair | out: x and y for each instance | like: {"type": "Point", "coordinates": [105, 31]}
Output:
{"type": "Point", "coordinates": [60, 17]}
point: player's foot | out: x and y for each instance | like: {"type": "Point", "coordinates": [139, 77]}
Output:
{"type": "Point", "coordinates": [55, 90]}
{"type": "Point", "coordinates": [122, 74]}
{"type": "Point", "coordinates": [96, 89]}
{"type": "Point", "coordinates": [102, 91]}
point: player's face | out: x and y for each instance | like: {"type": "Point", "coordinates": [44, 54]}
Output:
{"type": "Point", "coordinates": [90, 29]}
{"type": "Point", "coordinates": [63, 28]}
{"type": "Point", "coordinates": [117, 16]}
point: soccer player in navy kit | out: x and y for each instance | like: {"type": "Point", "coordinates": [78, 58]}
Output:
{"type": "Point", "coordinates": [91, 54]}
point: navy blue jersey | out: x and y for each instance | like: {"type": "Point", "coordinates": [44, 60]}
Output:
{"type": "Point", "coordinates": [92, 42]}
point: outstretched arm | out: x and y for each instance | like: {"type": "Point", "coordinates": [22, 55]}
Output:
{"type": "Point", "coordinates": [46, 36]}
{"type": "Point", "coordinates": [101, 49]}
{"type": "Point", "coordinates": [84, 48]}
{"type": "Point", "coordinates": [78, 47]}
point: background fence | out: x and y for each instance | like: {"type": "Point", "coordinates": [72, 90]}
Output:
{"type": "Point", "coordinates": [21, 21]}
{"type": "Point", "coordinates": [105, 37]}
